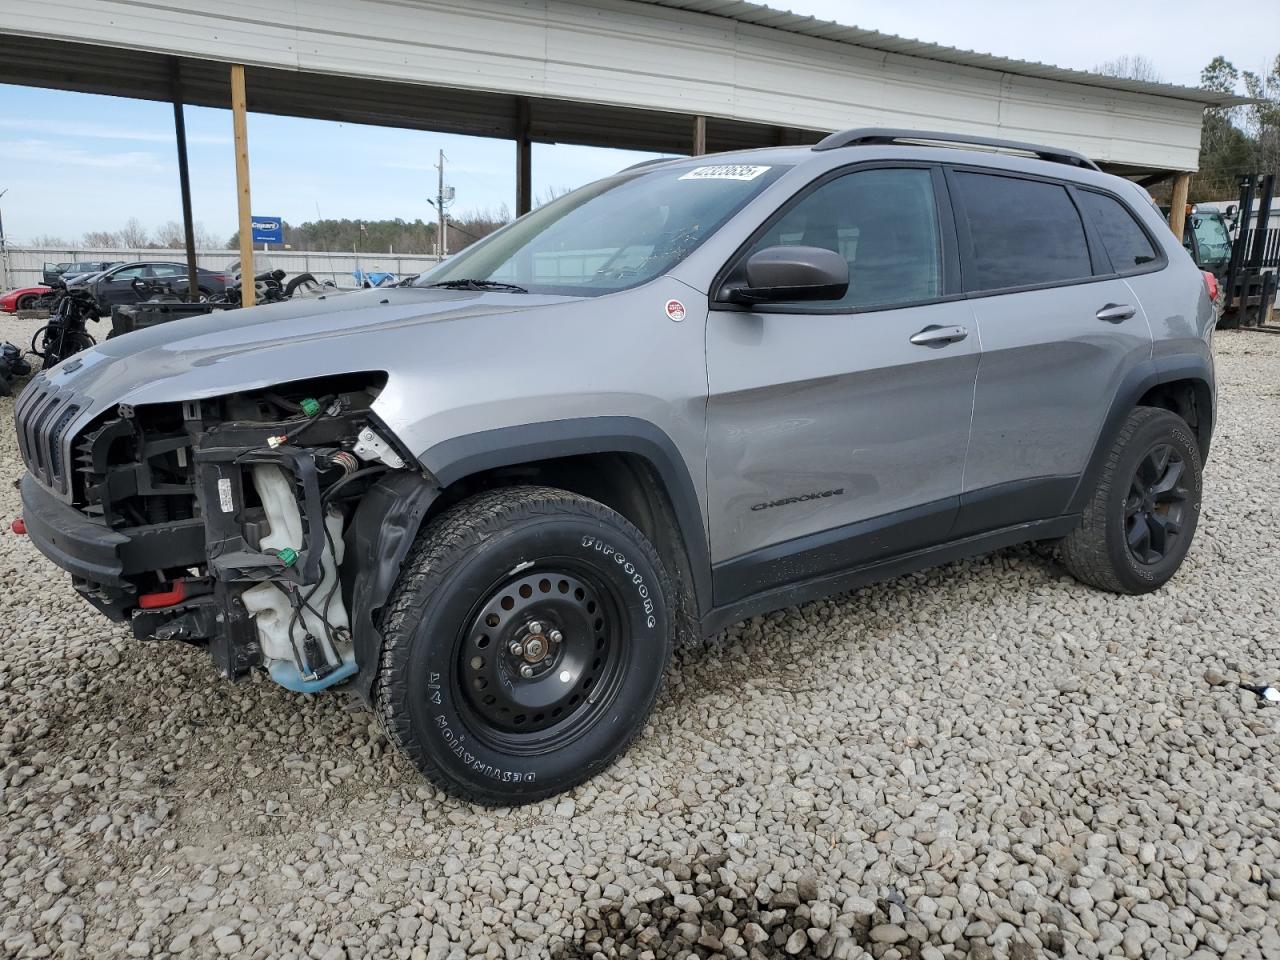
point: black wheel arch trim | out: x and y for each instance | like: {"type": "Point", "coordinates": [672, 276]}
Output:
{"type": "Point", "coordinates": [383, 529]}
{"type": "Point", "coordinates": [1139, 380]}
{"type": "Point", "coordinates": [459, 457]}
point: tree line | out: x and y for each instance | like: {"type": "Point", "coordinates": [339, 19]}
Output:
{"type": "Point", "coordinates": [1233, 140]}
{"type": "Point", "coordinates": [387, 236]}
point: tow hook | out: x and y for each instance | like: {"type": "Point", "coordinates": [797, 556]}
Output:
{"type": "Point", "coordinates": [18, 526]}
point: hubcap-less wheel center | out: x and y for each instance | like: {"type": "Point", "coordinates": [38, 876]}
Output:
{"type": "Point", "coordinates": [1155, 508]}
{"type": "Point", "coordinates": [534, 653]}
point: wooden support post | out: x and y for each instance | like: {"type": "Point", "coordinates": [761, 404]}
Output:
{"type": "Point", "coordinates": [239, 110]}
{"type": "Point", "coordinates": [699, 135]}
{"type": "Point", "coordinates": [524, 159]}
{"type": "Point", "coordinates": [184, 179]}
{"type": "Point", "coordinates": [1178, 205]}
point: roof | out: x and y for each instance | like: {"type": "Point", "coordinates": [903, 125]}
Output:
{"type": "Point", "coordinates": [757, 14]}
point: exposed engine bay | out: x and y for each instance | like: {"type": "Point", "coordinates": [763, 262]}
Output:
{"type": "Point", "coordinates": [234, 514]}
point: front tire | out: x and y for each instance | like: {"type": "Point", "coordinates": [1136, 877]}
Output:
{"type": "Point", "coordinates": [1138, 526]}
{"type": "Point", "coordinates": [26, 302]}
{"type": "Point", "coordinates": [524, 644]}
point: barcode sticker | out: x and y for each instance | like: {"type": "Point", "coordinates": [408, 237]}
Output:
{"type": "Point", "coordinates": [224, 496]}
{"type": "Point", "coordinates": [725, 171]}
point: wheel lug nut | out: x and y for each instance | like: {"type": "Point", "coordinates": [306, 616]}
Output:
{"type": "Point", "coordinates": [526, 671]}
{"type": "Point", "coordinates": [516, 650]}
{"type": "Point", "coordinates": [555, 636]}
{"type": "Point", "coordinates": [535, 627]}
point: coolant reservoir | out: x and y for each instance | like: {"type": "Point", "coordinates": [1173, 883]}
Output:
{"type": "Point", "coordinates": [285, 655]}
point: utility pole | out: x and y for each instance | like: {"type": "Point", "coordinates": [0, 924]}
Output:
{"type": "Point", "coordinates": [442, 239]}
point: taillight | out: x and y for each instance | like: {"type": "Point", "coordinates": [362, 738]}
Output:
{"type": "Point", "coordinates": [1210, 284]}
{"type": "Point", "coordinates": [220, 277]}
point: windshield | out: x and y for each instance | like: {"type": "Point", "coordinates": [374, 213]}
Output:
{"type": "Point", "coordinates": [609, 235]}
{"type": "Point", "coordinates": [1211, 235]}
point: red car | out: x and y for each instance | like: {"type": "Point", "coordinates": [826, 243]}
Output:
{"type": "Point", "coordinates": [24, 298]}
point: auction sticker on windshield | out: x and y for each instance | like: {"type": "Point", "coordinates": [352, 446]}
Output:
{"type": "Point", "coordinates": [725, 171]}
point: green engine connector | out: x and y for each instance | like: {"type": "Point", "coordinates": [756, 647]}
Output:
{"type": "Point", "coordinates": [288, 556]}
{"type": "Point", "coordinates": [310, 406]}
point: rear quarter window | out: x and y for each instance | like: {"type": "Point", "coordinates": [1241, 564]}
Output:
{"type": "Point", "coordinates": [1126, 243]}
{"type": "Point", "coordinates": [1022, 232]}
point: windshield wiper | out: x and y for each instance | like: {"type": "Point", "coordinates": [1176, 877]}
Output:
{"type": "Point", "coordinates": [478, 285]}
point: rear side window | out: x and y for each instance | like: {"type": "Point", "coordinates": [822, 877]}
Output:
{"type": "Point", "coordinates": [1126, 243]}
{"type": "Point", "coordinates": [1024, 232]}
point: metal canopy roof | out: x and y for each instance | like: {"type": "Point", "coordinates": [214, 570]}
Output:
{"type": "Point", "coordinates": [145, 75]}
{"type": "Point", "coordinates": [613, 73]}
{"type": "Point", "coordinates": [759, 15]}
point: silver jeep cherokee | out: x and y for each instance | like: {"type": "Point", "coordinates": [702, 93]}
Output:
{"type": "Point", "coordinates": [692, 392]}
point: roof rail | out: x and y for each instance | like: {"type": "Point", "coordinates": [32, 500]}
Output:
{"type": "Point", "coordinates": [861, 136]}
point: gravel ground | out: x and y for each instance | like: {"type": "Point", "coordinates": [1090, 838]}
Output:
{"type": "Point", "coordinates": [987, 759]}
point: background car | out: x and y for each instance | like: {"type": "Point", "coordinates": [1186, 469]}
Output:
{"type": "Point", "coordinates": [115, 286]}
{"type": "Point", "coordinates": [77, 268]}
{"type": "Point", "coordinates": [23, 298]}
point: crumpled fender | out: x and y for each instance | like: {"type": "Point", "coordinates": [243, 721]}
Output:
{"type": "Point", "coordinates": [379, 537]}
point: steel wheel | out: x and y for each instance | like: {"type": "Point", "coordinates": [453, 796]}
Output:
{"type": "Point", "coordinates": [542, 658]}
{"type": "Point", "coordinates": [1156, 504]}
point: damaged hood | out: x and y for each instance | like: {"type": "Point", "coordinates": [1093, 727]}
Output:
{"type": "Point", "coordinates": [237, 350]}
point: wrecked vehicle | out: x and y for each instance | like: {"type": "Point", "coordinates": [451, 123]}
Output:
{"type": "Point", "coordinates": [699, 390]}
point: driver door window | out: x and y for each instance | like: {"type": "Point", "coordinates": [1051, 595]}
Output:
{"type": "Point", "coordinates": [884, 223]}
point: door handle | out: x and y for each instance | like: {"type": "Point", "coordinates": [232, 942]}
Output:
{"type": "Point", "coordinates": [1115, 312]}
{"type": "Point", "coordinates": [935, 336]}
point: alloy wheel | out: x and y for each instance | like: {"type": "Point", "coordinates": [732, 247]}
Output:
{"type": "Point", "coordinates": [1156, 505]}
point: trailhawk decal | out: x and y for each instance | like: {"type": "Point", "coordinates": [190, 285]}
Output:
{"type": "Point", "coordinates": [675, 310]}
{"type": "Point", "coordinates": [786, 501]}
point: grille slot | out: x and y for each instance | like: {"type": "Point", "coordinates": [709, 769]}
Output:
{"type": "Point", "coordinates": [42, 416]}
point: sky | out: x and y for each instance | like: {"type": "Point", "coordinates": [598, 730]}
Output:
{"type": "Point", "coordinates": [78, 162]}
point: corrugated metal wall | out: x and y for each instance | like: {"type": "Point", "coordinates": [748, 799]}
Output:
{"type": "Point", "coordinates": [622, 54]}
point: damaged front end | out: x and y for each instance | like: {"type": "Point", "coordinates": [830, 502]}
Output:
{"type": "Point", "coordinates": [225, 522]}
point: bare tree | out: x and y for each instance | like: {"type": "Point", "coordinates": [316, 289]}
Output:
{"type": "Point", "coordinates": [205, 239]}
{"type": "Point", "coordinates": [1131, 66]}
{"type": "Point", "coordinates": [549, 194]}
{"type": "Point", "coordinates": [134, 234]}
{"type": "Point", "coordinates": [171, 235]}
{"type": "Point", "coordinates": [45, 240]}
{"type": "Point", "coordinates": [100, 239]}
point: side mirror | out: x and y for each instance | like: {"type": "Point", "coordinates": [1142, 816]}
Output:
{"type": "Point", "coordinates": [786, 273]}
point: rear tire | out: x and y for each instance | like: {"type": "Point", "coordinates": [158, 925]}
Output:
{"type": "Point", "coordinates": [1138, 526]}
{"type": "Point", "coordinates": [27, 302]}
{"type": "Point", "coordinates": [524, 644]}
